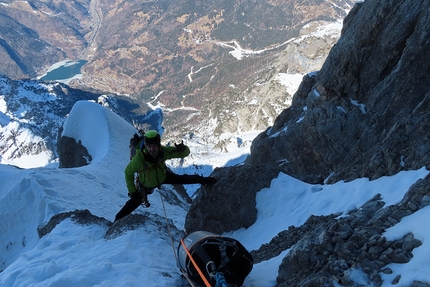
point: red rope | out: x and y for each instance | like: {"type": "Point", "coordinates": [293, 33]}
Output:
{"type": "Point", "coordinates": [195, 265]}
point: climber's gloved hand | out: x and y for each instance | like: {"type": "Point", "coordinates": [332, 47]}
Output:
{"type": "Point", "coordinates": [180, 147]}
{"type": "Point", "coordinates": [134, 140]}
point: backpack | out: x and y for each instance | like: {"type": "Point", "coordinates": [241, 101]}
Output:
{"type": "Point", "coordinates": [134, 143]}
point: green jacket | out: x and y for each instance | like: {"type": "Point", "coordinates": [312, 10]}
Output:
{"type": "Point", "coordinates": [152, 171]}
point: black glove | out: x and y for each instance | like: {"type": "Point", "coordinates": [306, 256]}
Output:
{"type": "Point", "coordinates": [180, 147]}
{"type": "Point", "coordinates": [134, 140]}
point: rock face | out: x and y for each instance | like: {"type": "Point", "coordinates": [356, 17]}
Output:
{"type": "Point", "coordinates": [83, 217]}
{"type": "Point", "coordinates": [230, 203]}
{"type": "Point", "coordinates": [364, 114]}
{"type": "Point", "coordinates": [113, 229]}
{"type": "Point", "coordinates": [72, 153]}
{"type": "Point", "coordinates": [325, 250]}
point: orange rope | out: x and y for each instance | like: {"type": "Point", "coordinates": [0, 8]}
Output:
{"type": "Point", "coordinates": [195, 265]}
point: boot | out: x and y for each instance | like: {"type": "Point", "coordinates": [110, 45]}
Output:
{"type": "Point", "coordinates": [208, 181]}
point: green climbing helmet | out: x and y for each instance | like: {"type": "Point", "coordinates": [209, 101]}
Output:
{"type": "Point", "coordinates": [152, 137]}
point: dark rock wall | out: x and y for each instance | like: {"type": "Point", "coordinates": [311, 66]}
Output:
{"type": "Point", "coordinates": [72, 153]}
{"type": "Point", "coordinates": [365, 114]}
{"type": "Point", "coordinates": [230, 203]}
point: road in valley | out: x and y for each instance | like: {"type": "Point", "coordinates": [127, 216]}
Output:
{"type": "Point", "coordinates": [97, 18]}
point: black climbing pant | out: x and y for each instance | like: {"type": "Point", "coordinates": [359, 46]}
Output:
{"type": "Point", "coordinates": [171, 178]}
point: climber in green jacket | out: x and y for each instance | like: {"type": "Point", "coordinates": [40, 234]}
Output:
{"type": "Point", "coordinates": [149, 164]}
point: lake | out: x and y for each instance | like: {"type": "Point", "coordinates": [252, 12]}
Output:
{"type": "Point", "coordinates": [64, 70]}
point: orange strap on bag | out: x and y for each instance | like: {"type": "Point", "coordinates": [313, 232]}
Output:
{"type": "Point", "coordinates": [195, 265]}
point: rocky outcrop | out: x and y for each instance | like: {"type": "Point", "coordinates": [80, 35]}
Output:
{"type": "Point", "coordinates": [72, 153]}
{"type": "Point", "coordinates": [326, 250]}
{"type": "Point", "coordinates": [83, 217]}
{"type": "Point", "coordinates": [230, 203]}
{"type": "Point", "coordinates": [147, 221]}
{"type": "Point", "coordinates": [117, 228]}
